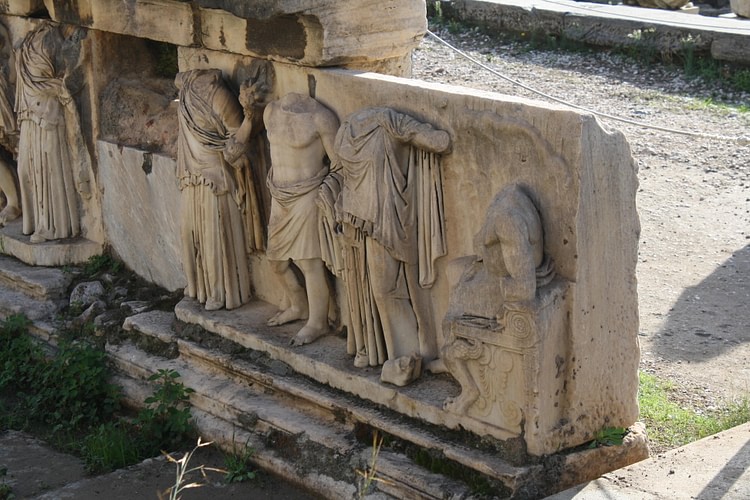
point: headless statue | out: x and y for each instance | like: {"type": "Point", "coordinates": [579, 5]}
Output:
{"type": "Point", "coordinates": [301, 133]}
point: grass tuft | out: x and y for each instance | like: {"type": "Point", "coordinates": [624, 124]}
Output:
{"type": "Point", "coordinates": [671, 425]}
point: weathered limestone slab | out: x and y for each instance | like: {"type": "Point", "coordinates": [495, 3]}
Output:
{"type": "Point", "coordinates": [35, 292]}
{"type": "Point", "coordinates": [318, 34]}
{"type": "Point", "coordinates": [261, 391]}
{"type": "Point", "coordinates": [583, 181]}
{"type": "Point", "coordinates": [141, 212]}
{"type": "Point", "coordinates": [300, 430]}
{"type": "Point", "coordinates": [14, 302]}
{"type": "Point", "coordinates": [37, 282]}
{"type": "Point", "coordinates": [51, 253]}
{"type": "Point", "coordinates": [157, 324]}
{"type": "Point", "coordinates": [311, 34]}
{"type": "Point", "coordinates": [325, 361]}
{"type": "Point", "coordinates": [164, 20]}
{"type": "Point", "coordinates": [21, 7]}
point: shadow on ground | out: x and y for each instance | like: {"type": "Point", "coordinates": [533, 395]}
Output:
{"type": "Point", "coordinates": [712, 317]}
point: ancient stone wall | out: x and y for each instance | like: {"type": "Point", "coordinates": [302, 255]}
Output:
{"type": "Point", "coordinates": [528, 210]}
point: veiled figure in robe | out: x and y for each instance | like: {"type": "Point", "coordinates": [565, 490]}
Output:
{"type": "Point", "coordinates": [45, 114]}
{"type": "Point", "coordinates": [216, 205]}
{"type": "Point", "coordinates": [392, 210]}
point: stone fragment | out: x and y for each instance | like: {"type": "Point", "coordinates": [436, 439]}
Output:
{"type": "Point", "coordinates": [87, 293]}
{"type": "Point", "coordinates": [136, 306]}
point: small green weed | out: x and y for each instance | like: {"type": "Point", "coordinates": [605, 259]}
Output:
{"type": "Point", "coordinates": [609, 436]}
{"type": "Point", "coordinates": [670, 426]}
{"type": "Point", "coordinates": [238, 463]}
{"type": "Point", "coordinates": [72, 390]}
{"type": "Point", "coordinates": [111, 446]}
{"type": "Point", "coordinates": [101, 263]}
{"type": "Point", "coordinates": [166, 419]}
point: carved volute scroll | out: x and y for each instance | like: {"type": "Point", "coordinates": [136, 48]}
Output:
{"type": "Point", "coordinates": [8, 131]}
{"type": "Point", "coordinates": [51, 172]}
{"type": "Point", "coordinates": [301, 132]}
{"type": "Point", "coordinates": [392, 215]}
{"type": "Point", "coordinates": [219, 207]}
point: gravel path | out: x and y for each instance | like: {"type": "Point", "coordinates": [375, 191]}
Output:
{"type": "Point", "coordinates": [693, 201]}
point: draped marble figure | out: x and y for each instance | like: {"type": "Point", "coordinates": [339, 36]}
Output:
{"type": "Point", "coordinates": [50, 175]}
{"type": "Point", "coordinates": [301, 132]}
{"type": "Point", "coordinates": [218, 208]}
{"type": "Point", "coordinates": [8, 132]}
{"type": "Point", "coordinates": [392, 213]}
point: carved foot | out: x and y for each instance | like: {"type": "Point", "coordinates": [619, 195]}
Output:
{"type": "Point", "coordinates": [213, 305]}
{"type": "Point", "coordinates": [287, 316]}
{"type": "Point", "coordinates": [37, 238]}
{"type": "Point", "coordinates": [461, 403]}
{"type": "Point", "coordinates": [8, 214]}
{"type": "Point", "coordinates": [437, 366]}
{"type": "Point", "coordinates": [402, 371]}
{"type": "Point", "coordinates": [307, 334]}
{"type": "Point", "coordinates": [361, 360]}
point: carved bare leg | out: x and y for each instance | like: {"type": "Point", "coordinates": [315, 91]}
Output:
{"type": "Point", "coordinates": [455, 356]}
{"type": "Point", "coordinates": [317, 299]}
{"type": "Point", "coordinates": [295, 293]}
{"type": "Point", "coordinates": [8, 186]}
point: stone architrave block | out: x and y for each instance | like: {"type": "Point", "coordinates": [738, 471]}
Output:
{"type": "Point", "coordinates": [731, 47]}
{"type": "Point", "coordinates": [140, 206]}
{"type": "Point", "coordinates": [21, 7]}
{"type": "Point", "coordinates": [740, 7]}
{"type": "Point", "coordinates": [356, 33]}
{"type": "Point", "coordinates": [163, 20]}
{"type": "Point", "coordinates": [323, 33]}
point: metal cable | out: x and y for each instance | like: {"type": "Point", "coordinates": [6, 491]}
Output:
{"type": "Point", "coordinates": [743, 141]}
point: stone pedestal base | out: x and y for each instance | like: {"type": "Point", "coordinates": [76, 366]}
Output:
{"type": "Point", "coordinates": [69, 251]}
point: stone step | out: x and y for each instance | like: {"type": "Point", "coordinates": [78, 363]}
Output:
{"type": "Point", "coordinates": [70, 251]}
{"type": "Point", "coordinates": [278, 378]}
{"type": "Point", "coordinates": [326, 362]}
{"type": "Point", "coordinates": [42, 313]}
{"type": "Point", "coordinates": [36, 282]}
{"type": "Point", "coordinates": [292, 437]}
{"type": "Point", "coordinates": [258, 358]}
{"type": "Point", "coordinates": [37, 292]}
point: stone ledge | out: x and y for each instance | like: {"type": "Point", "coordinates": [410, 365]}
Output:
{"type": "Point", "coordinates": [229, 388]}
{"type": "Point", "coordinates": [326, 362]}
{"type": "Point", "coordinates": [36, 282]}
{"type": "Point", "coordinates": [609, 25]}
{"type": "Point", "coordinates": [70, 251]}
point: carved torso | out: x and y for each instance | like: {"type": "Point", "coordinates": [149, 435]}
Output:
{"type": "Point", "coordinates": [297, 150]}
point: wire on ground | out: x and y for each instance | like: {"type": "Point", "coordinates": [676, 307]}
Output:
{"type": "Point", "coordinates": [743, 141]}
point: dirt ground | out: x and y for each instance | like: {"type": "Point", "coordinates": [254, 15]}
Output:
{"type": "Point", "coordinates": [693, 201]}
{"type": "Point", "coordinates": [34, 470]}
